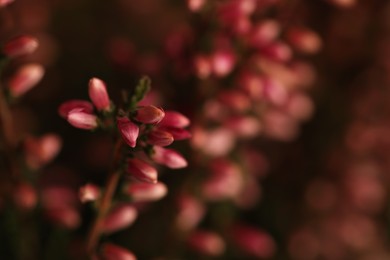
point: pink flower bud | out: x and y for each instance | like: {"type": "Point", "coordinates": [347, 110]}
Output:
{"type": "Point", "coordinates": [25, 78]}
{"type": "Point", "coordinates": [235, 100]}
{"type": "Point", "coordinates": [304, 40]}
{"type": "Point", "coordinates": [40, 151]}
{"type": "Point", "coordinates": [244, 126]}
{"type": "Point", "coordinates": [98, 94]}
{"type": "Point", "coordinates": [5, 2]}
{"type": "Point", "coordinates": [202, 65]}
{"type": "Point", "coordinates": [223, 63]}
{"type": "Point", "coordinates": [20, 46]}
{"type": "Point", "coordinates": [79, 105]}
{"type": "Point", "coordinates": [142, 171]}
{"type": "Point", "coordinates": [278, 51]}
{"type": "Point", "coordinates": [253, 241]}
{"type": "Point", "coordinates": [65, 216]}
{"type": "Point", "coordinates": [207, 243]}
{"type": "Point", "coordinates": [264, 33]}
{"type": "Point", "coordinates": [119, 218]}
{"type": "Point", "coordinates": [195, 5]}
{"type": "Point", "coordinates": [169, 158]}
{"type": "Point", "coordinates": [177, 133]}
{"type": "Point", "coordinates": [82, 120]}
{"type": "Point", "coordinates": [89, 192]}
{"type": "Point", "coordinates": [149, 115]}
{"type": "Point", "coordinates": [25, 196]}
{"type": "Point", "coordinates": [174, 119]}
{"type": "Point", "coordinates": [190, 212]}
{"type": "Point", "coordinates": [129, 131]}
{"type": "Point", "coordinates": [113, 252]}
{"type": "Point", "coordinates": [160, 138]}
{"type": "Point", "coordinates": [300, 106]}
{"type": "Point", "coordinates": [225, 182]}
{"type": "Point", "coordinates": [274, 91]}
{"type": "Point", "coordinates": [141, 192]}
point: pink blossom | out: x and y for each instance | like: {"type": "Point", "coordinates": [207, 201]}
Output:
{"type": "Point", "coordinates": [253, 241]}
{"type": "Point", "coordinates": [177, 133]}
{"type": "Point", "coordinates": [141, 192]}
{"type": "Point", "coordinates": [160, 138]}
{"type": "Point", "coordinates": [195, 5]}
{"type": "Point", "coordinates": [25, 196]}
{"type": "Point", "coordinates": [82, 120]}
{"type": "Point", "coordinates": [264, 33]}
{"type": "Point", "coordinates": [174, 119]}
{"type": "Point", "coordinates": [98, 94]}
{"type": "Point", "coordinates": [141, 170]}
{"type": "Point", "coordinates": [202, 65]}
{"type": "Point", "coordinates": [223, 62]}
{"type": "Point", "coordinates": [5, 2]}
{"type": "Point", "coordinates": [75, 104]}
{"type": "Point", "coordinates": [225, 182]}
{"type": "Point", "coordinates": [190, 212]}
{"type": "Point", "coordinates": [128, 130]}
{"type": "Point", "coordinates": [20, 46]}
{"type": "Point", "coordinates": [206, 242]}
{"type": "Point", "coordinates": [89, 192]}
{"type": "Point", "coordinates": [25, 78]}
{"type": "Point", "coordinates": [304, 40]}
{"type": "Point", "coordinates": [110, 251]}
{"type": "Point", "coordinates": [169, 158]}
{"type": "Point", "coordinates": [40, 151]}
{"type": "Point", "coordinates": [119, 218]}
{"type": "Point", "coordinates": [149, 115]}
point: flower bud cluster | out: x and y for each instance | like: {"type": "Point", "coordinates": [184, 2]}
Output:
{"type": "Point", "coordinates": [143, 133]}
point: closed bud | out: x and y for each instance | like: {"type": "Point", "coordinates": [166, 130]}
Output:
{"type": "Point", "coordinates": [82, 120]}
{"type": "Point", "coordinates": [110, 251]}
{"type": "Point", "coordinates": [169, 158]}
{"type": "Point", "coordinates": [160, 138]}
{"type": "Point", "coordinates": [25, 196]}
{"type": "Point", "coordinates": [5, 2]}
{"type": "Point", "coordinates": [264, 33]}
{"type": "Point", "coordinates": [75, 104]}
{"type": "Point", "coordinates": [142, 171]}
{"type": "Point", "coordinates": [278, 51]}
{"type": "Point", "coordinates": [25, 78]}
{"type": "Point", "coordinates": [119, 218]}
{"type": "Point", "coordinates": [89, 192]}
{"type": "Point", "coordinates": [253, 241]}
{"type": "Point", "coordinates": [177, 133]}
{"type": "Point", "coordinates": [142, 192]}
{"type": "Point", "coordinates": [223, 63]}
{"type": "Point", "coordinates": [40, 151]}
{"type": "Point", "coordinates": [202, 66]}
{"type": "Point", "coordinates": [195, 5]}
{"type": "Point", "coordinates": [225, 181]}
{"type": "Point", "coordinates": [20, 46]}
{"type": "Point", "coordinates": [207, 243]}
{"type": "Point", "coordinates": [304, 40]}
{"type": "Point", "coordinates": [174, 119]}
{"type": "Point", "coordinates": [98, 94]}
{"type": "Point", "coordinates": [128, 130]}
{"type": "Point", "coordinates": [190, 212]}
{"type": "Point", "coordinates": [149, 115]}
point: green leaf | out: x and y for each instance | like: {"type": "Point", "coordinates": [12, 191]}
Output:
{"type": "Point", "coordinates": [140, 91]}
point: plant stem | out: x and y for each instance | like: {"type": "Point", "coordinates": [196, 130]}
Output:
{"type": "Point", "coordinates": [105, 203]}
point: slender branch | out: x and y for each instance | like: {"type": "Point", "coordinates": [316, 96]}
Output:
{"type": "Point", "coordinates": [105, 203]}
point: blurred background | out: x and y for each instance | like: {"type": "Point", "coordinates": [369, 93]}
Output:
{"type": "Point", "coordinates": [288, 102]}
